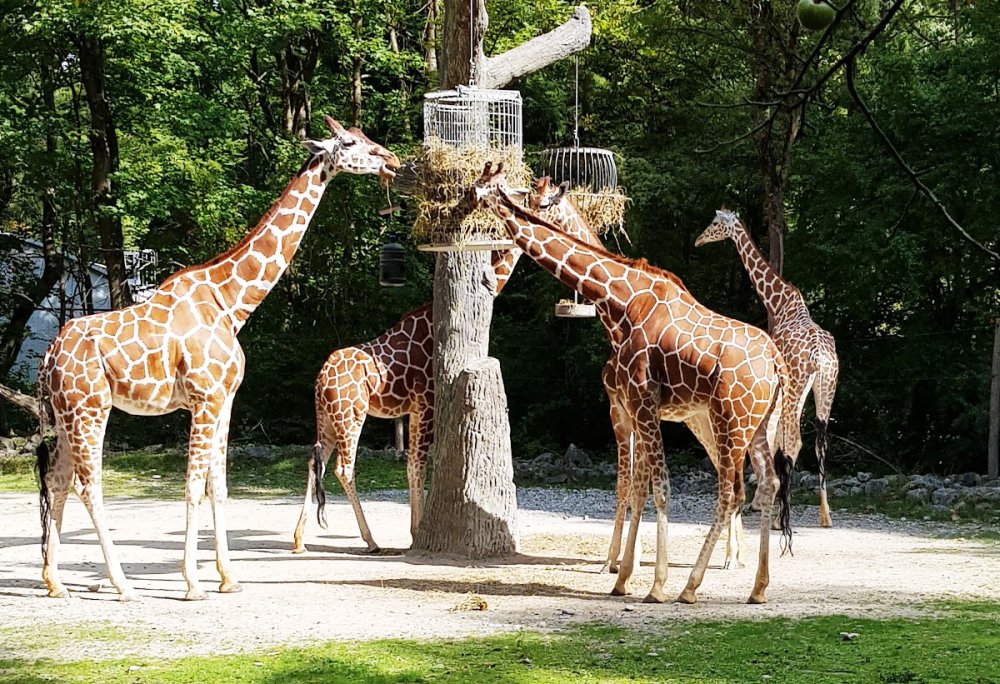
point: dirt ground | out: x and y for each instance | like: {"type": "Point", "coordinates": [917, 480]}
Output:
{"type": "Point", "coordinates": [336, 592]}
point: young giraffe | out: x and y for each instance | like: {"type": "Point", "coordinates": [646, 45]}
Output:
{"type": "Point", "coordinates": [177, 350]}
{"type": "Point", "coordinates": [388, 377]}
{"type": "Point", "coordinates": [809, 351]}
{"type": "Point", "coordinates": [672, 359]}
{"type": "Point", "coordinates": [554, 205]}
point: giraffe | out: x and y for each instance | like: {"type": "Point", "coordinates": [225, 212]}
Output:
{"type": "Point", "coordinates": [389, 377]}
{"type": "Point", "coordinates": [177, 350]}
{"type": "Point", "coordinates": [554, 205]}
{"type": "Point", "coordinates": [810, 352]}
{"type": "Point", "coordinates": [672, 359]}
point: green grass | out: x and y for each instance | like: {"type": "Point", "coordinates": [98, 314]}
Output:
{"type": "Point", "coordinates": [160, 474]}
{"type": "Point", "coordinates": [950, 649]}
{"type": "Point", "coordinates": [895, 504]}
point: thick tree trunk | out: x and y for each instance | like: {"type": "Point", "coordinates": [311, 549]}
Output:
{"type": "Point", "coordinates": [356, 64]}
{"type": "Point", "coordinates": [992, 459]}
{"type": "Point", "coordinates": [430, 40]}
{"type": "Point", "coordinates": [472, 505]}
{"type": "Point", "coordinates": [104, 146]}
{"type": "Point", "coordinates": [13, 334]}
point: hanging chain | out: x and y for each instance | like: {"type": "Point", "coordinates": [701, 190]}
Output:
{"type": "Point", "coordinates": [472, 42]}
{"type": "Point", "coordinates": [576, 104]}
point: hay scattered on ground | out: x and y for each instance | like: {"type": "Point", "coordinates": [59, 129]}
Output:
{"type": "Point", "coordinates": [444, 174]}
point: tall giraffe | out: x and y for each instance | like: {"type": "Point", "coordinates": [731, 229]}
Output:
{"type": "Point", "coordinates": [810, 352]}
{"type": "Point", "coordinates": [388, 377]}
{"type": "Point", "coordinates": [177, 350]}
{"type": "Point", "coordinates": [672, 359]}
{"type": "Point", "coordinates": [554, 205]}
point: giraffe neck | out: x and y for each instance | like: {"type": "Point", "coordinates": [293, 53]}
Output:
{"type": "Point", "coordinates": [246, 273]}
{"type": "Point", "coordinates": [770, 287]}
{"type": "Point", "coordinates": [503, 266]}
{"type": "Point", "coordinates": [594, 274]}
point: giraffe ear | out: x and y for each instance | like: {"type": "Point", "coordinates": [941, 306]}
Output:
{"type": "Point", "coordinates": [333, 125]}
{"type": "Point", "coordinates": [316, 147]}
{"type": "Point", "coordinates": [563, 189]}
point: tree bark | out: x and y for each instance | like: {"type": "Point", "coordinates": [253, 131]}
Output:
{"type": "Point", "coordinates": [13, 334]}
{"type": "Point", "coordinates": [104, 146]}
{"type": "Point", "coordinates": [297, 65]}
{"type": "Point", "coordinates": [430, 40]}
{"type": "Point", "coordinates": [992, 459]}
{"type": "Point", "coordinates": [472, 505]}
{"type": "Point", "coordinates": [356, 64]}
{"type": "Point", "coordinates": [774, 38]}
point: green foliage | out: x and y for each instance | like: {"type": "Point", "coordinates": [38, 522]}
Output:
{"type": "Point", "coordinates": [958, 647]}
{"type": "Point", "coordinates": [198, 97]}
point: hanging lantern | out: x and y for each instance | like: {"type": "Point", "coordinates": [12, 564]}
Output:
{"type": "Point", "coordinates": [392, 263]}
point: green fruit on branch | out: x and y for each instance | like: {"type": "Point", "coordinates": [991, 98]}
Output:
{"type": "Point", "coordinates": [815, 15]}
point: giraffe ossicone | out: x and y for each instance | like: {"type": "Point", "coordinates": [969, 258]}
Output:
{"type": "Point", "coordinates": [177, 350]}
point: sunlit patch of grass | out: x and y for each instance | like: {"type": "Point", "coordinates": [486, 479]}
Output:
{"type": "Point", "coordinates": [808, 651]}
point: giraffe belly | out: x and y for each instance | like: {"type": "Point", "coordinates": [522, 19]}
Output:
{"type": "Point", "coordinates": [144, 408]}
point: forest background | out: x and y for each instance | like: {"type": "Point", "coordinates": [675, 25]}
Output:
{"type": "Point", "coordinates": [173, 125]}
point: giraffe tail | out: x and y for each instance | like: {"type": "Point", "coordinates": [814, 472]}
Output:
{"type": "Point", "coordinates": [317, 468]}
{"type": "Point", "coordinates": [784, 466]}
{"type": "Point", "coordinates": [43, 460]}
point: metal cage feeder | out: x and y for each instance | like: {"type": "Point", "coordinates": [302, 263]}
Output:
{"type": "Point", "coordinates": [469, 126]}
{"type": "Point", "coordinates": [392, 263]}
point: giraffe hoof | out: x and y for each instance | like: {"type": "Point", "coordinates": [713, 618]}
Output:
{"type": "Point", "coordinates": [620, 591]}
{"type": "Point", "coordinates": [687, 596]}
{"type": "Point", "coordinates": [230, 588]}
{"type": "Point", "coordinates": [195, 595]}
{"type": "Point", "coordinates": [757, 599]}
{"type": "Point", "coordinates": [128, 597]}
{"type": "Point", "coordinates": [608, 568]}
{"type": "Point", "coordinates": [373, 549]}
{"type": "Point", "coordinates": [825, 520]}
{"type": "Point", "coordinates": [59, 592]}
{"type": "Point", "coordinates": [299, 549]}
{"type": "Point", "coordinates": [733, 565]}
{"type": "Point", "coordinates": [654, 597]}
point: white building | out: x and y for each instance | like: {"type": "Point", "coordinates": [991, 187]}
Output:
{"type": "Point", "coordinates": [81, 291]}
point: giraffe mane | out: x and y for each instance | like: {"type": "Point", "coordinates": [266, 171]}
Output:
{"type": "Point", "coordinates": [638, 264]}
{"type": "Point", "coordinates": [250, 234]}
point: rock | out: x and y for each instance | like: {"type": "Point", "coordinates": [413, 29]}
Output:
{"type": "Point", "coordinates": [864, 477]}
{"type": "Point", "coordinates": [706, 465]}
{"type": "Point", "coordinates": [920, 494]}
{"type": "Point", "coordinates": [948, 482]}
{"type": "Point", "coordinates": [848, 636]}
{"type": "Point", "coordinates": [808, 480]}
{"type": "Point", "coordinates": [577, 457]}
{"type": "Point", "coordinates": [607, 469]}
{"type": "Point", "coordinates": [876, 487]}
{"type": "Point", "coordinates": [968, 479]}
{"type": "Point", "coordinates": [558, 478]}
{"type": "Point", "coordinates": [261, 453]}
{"type": "Point", "coordinates": [857, 490]}
{"type": "Point", "coordinates": [944, 497]}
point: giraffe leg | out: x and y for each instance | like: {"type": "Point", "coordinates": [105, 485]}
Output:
{"type": "Point", "coordinates": [218, 492]}
{"type": "Point", "coordinates": [798, 387]}
{"type": "Point", "coordinates": [622, 424]}
{"type": "Point", "coordinates": [92, 495]}
{"type": "Point", "coordinates": [421, 434]}
{"type": "Point", "coordinates": [640, 489]}
{"type": "Point", "coordinates": [661, 500]}
{"type": "Point", "coordinates": [321, 450]}
{"type": "Point", "coordinates": [346, 451]}
{"type": "Point", "coordinates": [59, 480]}
{"type": "Point", "coordinates": [823, 392]}
{"type": "Point", "coordinates": [768, 487]}
{"type": "Point", "coordinates": [723, 514]}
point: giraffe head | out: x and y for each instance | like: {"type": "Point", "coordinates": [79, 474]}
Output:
{"type": "Point", "coordinates": [545, 197]}
{"type": "Point", "coordinates": [487, 190]}
{"type": "Point", "coordinates": [723, 227]}
{"type": "Point", "coordinates": [352, 151]}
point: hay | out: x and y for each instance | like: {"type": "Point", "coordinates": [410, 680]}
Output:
{"type": "Point", "coordinates": [604, 209]}
{"type": "Point", "coordinates": [444, 173]}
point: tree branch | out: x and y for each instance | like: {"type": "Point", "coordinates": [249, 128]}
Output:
{"type": "Point", "coordinates": [540, 51]}
{"type": "Point", "coordinates": [22, 401]}
{"type": "Point", "coordinates": [914, 176]}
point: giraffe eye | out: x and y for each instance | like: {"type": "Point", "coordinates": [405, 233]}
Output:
{"type": "Point", "coordinates": [348, 143]}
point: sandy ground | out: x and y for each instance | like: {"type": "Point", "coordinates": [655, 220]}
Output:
{"type": "Point", "coordinates": [336, 592]}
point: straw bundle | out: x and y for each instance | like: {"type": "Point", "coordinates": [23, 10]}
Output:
{"type": "Point", "coordinates": [444, 174]}
{"type": "Point", "coordinates": [604, 209]}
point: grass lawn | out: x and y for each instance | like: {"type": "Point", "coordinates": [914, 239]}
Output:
{"type": "Point", "coordinates": [959, 647]}
{"type": "Point", "coordinates": [160, 474]}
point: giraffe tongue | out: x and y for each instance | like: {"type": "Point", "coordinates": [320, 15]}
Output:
{"type": "Point", "coordinates": [386, 175]}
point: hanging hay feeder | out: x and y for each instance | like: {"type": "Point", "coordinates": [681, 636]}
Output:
{"type": "Point", "coordinates": [593, 179]}
{"type": "Point", "coordinates": [464, 129]}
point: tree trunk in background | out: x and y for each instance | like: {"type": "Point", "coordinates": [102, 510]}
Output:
{"type": "Point", "coordinates": [774, 36]}
{"type": "Point", "coordinates": [297, 65]}
{"type": "Point", "coordinates": [104, 146]}
{"type": "Point", "coordinates": [356, 64]}
{"type": "Point", "coordinates": [992, 459]}
{"type": "Point", "coordinates": [430, 40]}
{"type": "Point", "coordinates": [472, 505]}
